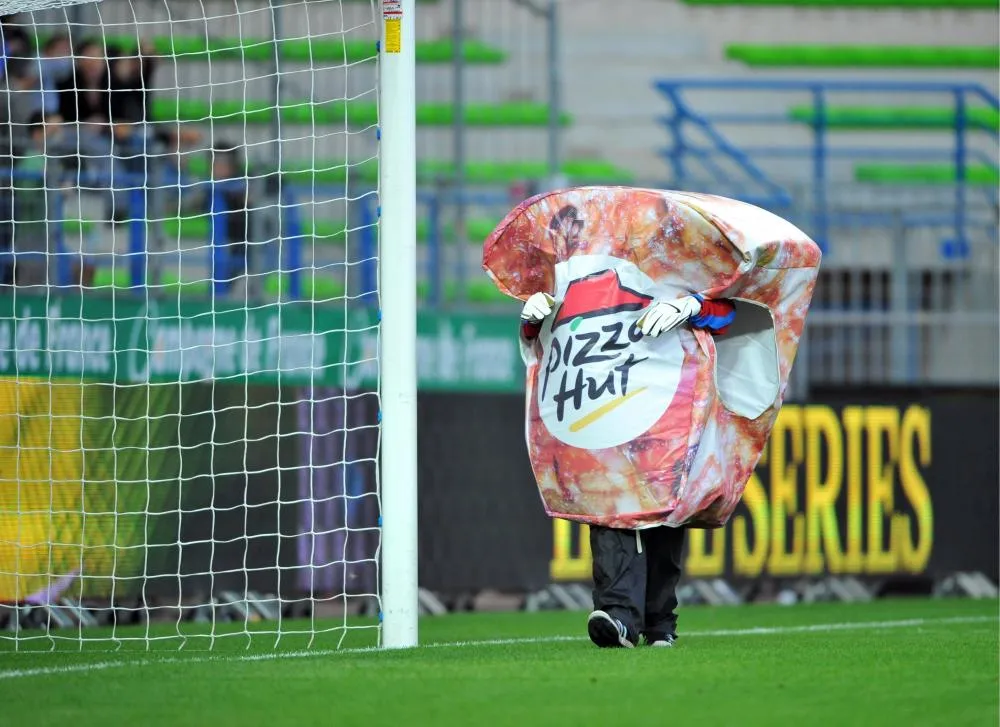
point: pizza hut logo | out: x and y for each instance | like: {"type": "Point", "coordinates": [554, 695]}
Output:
{"type": "Point", "coordinates": [601, 382]}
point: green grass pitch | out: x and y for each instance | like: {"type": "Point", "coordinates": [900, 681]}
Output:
{"type": "Point", "coordinates": [903, 662]}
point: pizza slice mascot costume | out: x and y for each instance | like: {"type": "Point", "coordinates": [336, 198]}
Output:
{"type": "Point", "coordinates": [658, 331]}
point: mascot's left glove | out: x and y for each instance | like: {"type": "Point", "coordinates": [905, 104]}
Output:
{"type": "Point", "coordinates": [666, 315]}
{"type": "Point", "coordinates": [537, 307]}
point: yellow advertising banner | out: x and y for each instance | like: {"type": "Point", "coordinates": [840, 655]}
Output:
{"type": "Point", "coordinates": [837, 491]}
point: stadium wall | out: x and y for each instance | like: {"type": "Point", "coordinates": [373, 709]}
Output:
{"type": "Point", "coordinates": [166, 452]}
{"type": "Point", "coordinates": [873, 484]}
{"type": "Point", "coordinates": [169, 492]}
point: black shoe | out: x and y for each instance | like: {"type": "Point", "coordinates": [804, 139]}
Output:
{"type": "Point", "coordinates": [661, 640]}
{"type": "Point", "coordinates": [608, 632]}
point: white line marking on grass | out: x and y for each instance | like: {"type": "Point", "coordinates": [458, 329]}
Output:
{"type": "Point", "coordinates": [316, 653]}
{"type": "Point", "coordinates": [847, 626]}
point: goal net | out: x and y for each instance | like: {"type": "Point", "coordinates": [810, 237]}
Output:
{"type": "Point", "coordinates": [191, 396]}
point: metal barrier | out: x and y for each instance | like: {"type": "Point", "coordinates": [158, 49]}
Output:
{"type": "Point", "coordinates": [145, 219]}
{"type": "Point", "coordinates": [753, 171]}
{"type": "Point", "coordinates": [450, 257]}
{"type": "Point", "coordinates": [905, 314]}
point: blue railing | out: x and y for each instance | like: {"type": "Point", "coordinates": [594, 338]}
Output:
{"type": "Point", "coordinates": [753, 183]}
{"type": "Point", "coordinates": [432, 204]}
{"type": "Point", "coordinates": [138, 194]}
{"type": "Point", "coordinates": [292, 236]}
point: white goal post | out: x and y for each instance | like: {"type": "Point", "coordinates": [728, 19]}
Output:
{"type": "Point", "coordinates": [208, 307]}
{"type": "Point", "coordinates": [398, 354]}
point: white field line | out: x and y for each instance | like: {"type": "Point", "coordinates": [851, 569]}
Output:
{"type": "Point", "coordinates": [280, 655]}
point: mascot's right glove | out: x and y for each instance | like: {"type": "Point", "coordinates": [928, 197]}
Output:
{"type": "Point", "coordinates": [666, 315]}
{"type": "Point", "coordinates": [537, 307]}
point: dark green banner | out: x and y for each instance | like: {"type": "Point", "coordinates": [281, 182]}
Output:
{"type": "Point", "coordinates": [127, 340]}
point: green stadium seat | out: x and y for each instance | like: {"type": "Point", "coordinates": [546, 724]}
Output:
{"type": "Point", "coordinates": [589, 171]}
{"type": "Point", "coordinates": [476, 229]}
{"type": "Point", "coordinates": [578, 171]}
{"type": "Point", "coordinates": [448, 295]}
{"type": "Point", "coordinates": [75, 228]}
{"type": "Point", "coordinates": [323, 232]}
{"type": "Point", "coordinates": [356, 113]}
{"type": "Point", "coordinates": [475, 291]}
{"type": "Point", "coordinates": [198, 227]}
{"type": "Point", "coordinates": [519, 113]}
{"type": "Point", "coordinates": [896, 117]}
{"type": "Point", "coordinates": [111, 278]}
{"type": "Point", "coordinates": [979, 174]}
{"type": "Point", "coordinates": [319, 287]}
{"type": "Point", "coordinates": [484, 291]}
{"type": "Point", "coordinates": [834, 56]}
{"type": "Point", "coordinates": [848, 4]}
{"type": "Point", "coordinates": [314, 287]}
{"type": "Point", "coordinates": [320, 171]}
{"type": "Point", "coordinates": [191, 49]}
{"type": "Point", "coordinates": [118, 277]}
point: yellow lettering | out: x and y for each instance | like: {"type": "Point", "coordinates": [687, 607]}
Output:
{"type": "Point", "coordinates": [861, 454]}
{"type": "Point", "coordinates": [749, 561]}
{"type": "Point", "coordinates": [702, 560]}
{"type": "Point", "coordinates": [854, 419]}
{"type": "Point", "coordinates": [880, 420]}
{"type": "Point", "coordinates": [585, 553]}
{"type": "Point", "coordinates": [915, 452]}
{"type": "Point", "coordinates": [822, 532]}
{"type": "Point", "coordinates": [564, 566]}
{"type": "Point", "coordinates": [784, 495]}
{"type": "Point", "coordinates": [561, 538]}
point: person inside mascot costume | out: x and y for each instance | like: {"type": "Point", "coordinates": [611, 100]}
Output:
{"type": "Point", "coordinates": [658, 331]}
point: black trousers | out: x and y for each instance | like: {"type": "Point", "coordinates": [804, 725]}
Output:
{"type": "Point", "coordinates": [638, 588]}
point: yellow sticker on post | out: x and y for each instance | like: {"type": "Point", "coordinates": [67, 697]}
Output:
{"type": "Point", "coordinates": [392, 17]}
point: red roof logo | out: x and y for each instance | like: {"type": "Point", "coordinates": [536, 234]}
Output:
{"type": "Point", "coordinates": [598, 294]}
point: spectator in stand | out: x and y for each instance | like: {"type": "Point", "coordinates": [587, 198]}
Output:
{"type": "Point", "coordinates": [41, 76]}
{"type": "Point", "coordinates": [130, 81]}
{"type": "Point", "coordinates": [232, 201]}
{"type": "Point", "coordinates": [84, 93]}
{"type": "Point", "coordinates": [38, 179]}
{"type": "Point", "coordinates": [132, 95]}
{"type": "Point", "coordinates": [136, 136]}
{"type": "Point", "coordinates": [227, 196]}
{"type": "Point", "coordinates": [15, 84]}
{"type": "Point", "coordinates": [55, 65]}
{"type": "Point", "coordinates": [132, 84]}
{"type": "Point", "coordinates": [84, 103]}
{"type": "Point", "coordinates": [15, 42]}
{"type": "Point", "coordinates": [16, 68]}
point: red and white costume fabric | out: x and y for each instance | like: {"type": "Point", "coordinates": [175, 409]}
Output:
{"type": "Point", "coordinates": [630, 431]}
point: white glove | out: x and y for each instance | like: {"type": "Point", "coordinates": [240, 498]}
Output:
{"type": "Point", "coordinates": [666, 315]}
{"type": "Point", "coordinates": [537, 307]}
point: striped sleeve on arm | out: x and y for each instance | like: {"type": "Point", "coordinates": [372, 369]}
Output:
{"type": "Point", "coordinates": [716, 315]}
{"type": "Point", "coordinates": [530, 330]}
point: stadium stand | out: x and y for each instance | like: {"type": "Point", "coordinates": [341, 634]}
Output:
{"type": "Point", "coordinates": [865, 4]}
{"type": "Point", "coordinates": [848, 56]}
{"type": "Point", "coordinates": [505, 118]}
{"type": "Point", "coordinates": [321, 227]}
